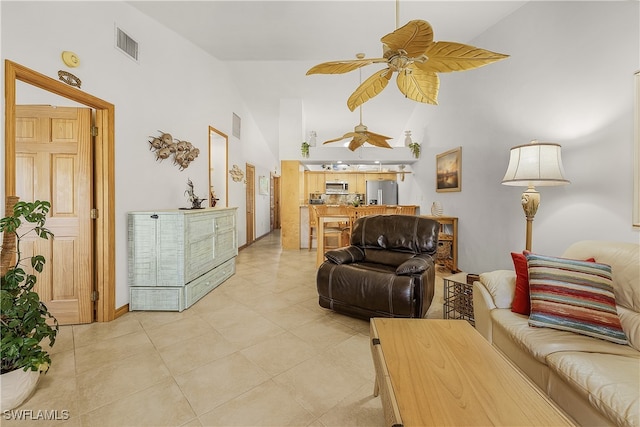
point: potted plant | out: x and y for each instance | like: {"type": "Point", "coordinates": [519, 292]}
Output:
{"type": "Point", "coordinates": [25, 320]}
{"type": "Point", "coordinates": [415, 149]}
{"type": "Point", "coordinates": [305, 149]}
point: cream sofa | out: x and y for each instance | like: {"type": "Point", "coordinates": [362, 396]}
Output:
{"type": "Point", "coordinates": [594, 381]}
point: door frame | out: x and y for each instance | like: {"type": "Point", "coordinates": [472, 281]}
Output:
{"type": "Point", "coordinates": [104, 172]}
{"type": "Point", "coordinates": [250, 209]}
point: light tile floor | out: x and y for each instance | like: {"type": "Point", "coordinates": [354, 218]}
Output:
{"type": "Point", "coordinates": [257, 350]}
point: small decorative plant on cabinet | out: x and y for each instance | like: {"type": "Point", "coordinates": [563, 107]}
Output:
{"type": "Point", "coordinates": [26, 321]}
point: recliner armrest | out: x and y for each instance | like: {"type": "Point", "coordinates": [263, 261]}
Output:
{"type": "Point", "coordinates": [415, 265]}
{"type": "Point", "coordinates": [345, 255]}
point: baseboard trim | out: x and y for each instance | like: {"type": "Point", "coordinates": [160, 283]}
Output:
{"type": "Point", "coordinates": [121, 311]}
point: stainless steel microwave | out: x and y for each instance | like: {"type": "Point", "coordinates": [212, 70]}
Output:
{"type": "Point", "coordinates": [336, 187]}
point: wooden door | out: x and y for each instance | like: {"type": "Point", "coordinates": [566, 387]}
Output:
{"type": "Point", "coordinates": [275, 203]}
{"type": "Point", "coordinates": [54, 163]}
{"type": "Point", "coordinates": [251, 203]}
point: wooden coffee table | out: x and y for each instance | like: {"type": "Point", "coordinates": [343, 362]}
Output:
{"type": "Point", "coordinates": [432, 372]}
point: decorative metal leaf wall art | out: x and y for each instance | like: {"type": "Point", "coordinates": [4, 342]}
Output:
{"type": "Point", "coordinates": [411, 52]}
{"type": "Point", "coordinates": [165, 146]}
{"type": "Point", "coordinates": [236, 173]}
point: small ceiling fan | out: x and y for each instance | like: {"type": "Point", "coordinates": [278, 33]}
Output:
{"type": "Point", "coordinates": [360, 133]}
{"type": "Point", "coordinates": [411, 52]}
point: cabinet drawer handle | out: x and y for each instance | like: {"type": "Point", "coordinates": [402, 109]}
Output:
{"type": "Point", "coordinates": [154, 216]}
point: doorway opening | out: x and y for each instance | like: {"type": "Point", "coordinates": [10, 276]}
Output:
{"type": "Point", "coordinates": [103, 175]}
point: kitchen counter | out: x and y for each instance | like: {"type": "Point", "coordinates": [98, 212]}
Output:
{"type": "Point", "coordinates": [304, 219]}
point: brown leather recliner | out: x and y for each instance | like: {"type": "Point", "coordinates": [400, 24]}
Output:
{"type": "Point", "coordinates": [387, 271]}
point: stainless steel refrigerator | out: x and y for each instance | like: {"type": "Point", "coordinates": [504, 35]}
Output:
{"type": "Point", "coordinates": [382, 192]}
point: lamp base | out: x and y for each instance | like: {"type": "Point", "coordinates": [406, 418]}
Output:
{"type": "Point", "coordinates": [530, 202]}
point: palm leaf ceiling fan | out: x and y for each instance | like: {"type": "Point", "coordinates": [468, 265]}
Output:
{"type": "Point", "coordinates": [411, 52]}
{"type": "Point", "coordinates": [360, 133]}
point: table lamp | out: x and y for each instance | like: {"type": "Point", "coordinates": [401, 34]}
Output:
{"type": "Point", "coordinates": [530, 165]}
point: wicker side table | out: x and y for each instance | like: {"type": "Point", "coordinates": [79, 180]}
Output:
{"type": "Point", "coordinates": [458, 298]}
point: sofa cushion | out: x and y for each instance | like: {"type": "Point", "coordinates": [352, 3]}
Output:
{"type": "Point", "coordinates": [383, 294]}
{"type": "Point", "coordinates": [541, 342]}
{"type": "Point", "coordinates": [574, 296]}
{"type": "Point", "coordinates": [383, 256]}
{"type": "Point", "coordinates": [520, 303]}
{"type": "Point", "coordinates": [405, 233]}
{"type": "Point", "coordinates": [345, 255]}
{"type": "Point", "coordinates": [614, 392]}
{"type": "Point", "coordinates": [501, 285]}
{"type": "Point", "coordinates": [630, 321]}
{"type": "Point", "coordinates": [624, 259]}
{"type": "Point", "coordinates": [521, 299]}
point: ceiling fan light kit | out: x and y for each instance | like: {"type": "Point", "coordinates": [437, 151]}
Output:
{"type": "Point", "coordinates": [411, 52]}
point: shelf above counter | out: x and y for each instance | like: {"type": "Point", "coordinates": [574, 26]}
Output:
{"type": "Point", "coordinates": [362, 156]}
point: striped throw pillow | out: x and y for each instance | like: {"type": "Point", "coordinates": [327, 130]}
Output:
{"type": "Point", "coordinates": [575, 296]}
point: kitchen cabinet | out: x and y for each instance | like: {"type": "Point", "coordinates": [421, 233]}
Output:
{"type": "Point", "coordinates": [315, 182]}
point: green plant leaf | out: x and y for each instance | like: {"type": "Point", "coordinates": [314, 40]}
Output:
{"type": "Point", "coordinates": [37, 262]}
{"type": "Point", "coordinates": [25, 320]}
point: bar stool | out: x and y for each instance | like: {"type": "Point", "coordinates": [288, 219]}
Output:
{"type": "Point", "coordinates": [332, 231]}
{"type": "Point", "coordinates": [313, 225]}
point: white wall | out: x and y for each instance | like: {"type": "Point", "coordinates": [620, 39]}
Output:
{"type": "Point", "coordinates": [175, 88]}
{"type": "Point", "coordinates": [569, 80]}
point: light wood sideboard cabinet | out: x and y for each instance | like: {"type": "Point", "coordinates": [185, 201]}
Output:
{"type": "Point", "coordinates": [177, 256]}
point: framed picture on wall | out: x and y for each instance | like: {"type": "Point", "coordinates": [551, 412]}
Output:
{"type": "Point", "coordinates": [263, 185]}
{"type": "Point", "coordinates": [449, 171]}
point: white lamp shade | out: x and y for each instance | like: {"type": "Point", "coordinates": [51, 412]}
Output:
{"type": "Point", "coordinates": [535, 164]}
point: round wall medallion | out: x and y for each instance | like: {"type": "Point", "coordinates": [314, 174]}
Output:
{"type": "Point", "coordinates": [70, 59]}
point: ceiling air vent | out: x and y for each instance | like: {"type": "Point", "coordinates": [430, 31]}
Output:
{"type": "Point", "coordinates": [126, 44]}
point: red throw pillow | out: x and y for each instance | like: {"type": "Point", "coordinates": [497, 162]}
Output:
{"type": "Point", "coordinates": [521, 303]}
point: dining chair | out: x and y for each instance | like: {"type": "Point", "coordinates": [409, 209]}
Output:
{"type": "Point", "coordinates": [313, 225]}
{"type": "Point", "coordinates": [332, 230]}
{"type": "Point", "coordinates": [405, 210]}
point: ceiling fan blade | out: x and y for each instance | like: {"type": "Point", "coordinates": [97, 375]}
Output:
{"type": "Point", "coordinates": [414, 38]}
{"type": "Point", "coordinates": [357, 142]}
{"type": "Point", "coordinates": [377, 135]}
{"type": "Point", "coordinates": [345, 136]}
{"type": "Point", "coordinates": [378, 140]}
{"type": "Point", "coordinates": [369, 88]}
{"type": "Point", "coordinates": [419, 85]}
{"type": "Point", "coordinates": [341, 67]}
{"type": "Point", "coordinates": [445, 57]}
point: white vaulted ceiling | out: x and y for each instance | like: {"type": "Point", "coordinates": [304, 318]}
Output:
{"type": "Point", "coordinates": [269, 46]}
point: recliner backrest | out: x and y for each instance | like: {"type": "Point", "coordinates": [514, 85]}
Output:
{"type": "Point", "coordinates": [401, 233]}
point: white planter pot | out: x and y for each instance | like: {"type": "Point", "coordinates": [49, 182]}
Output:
{"type": "Point", "coordinates": [17, 387]}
